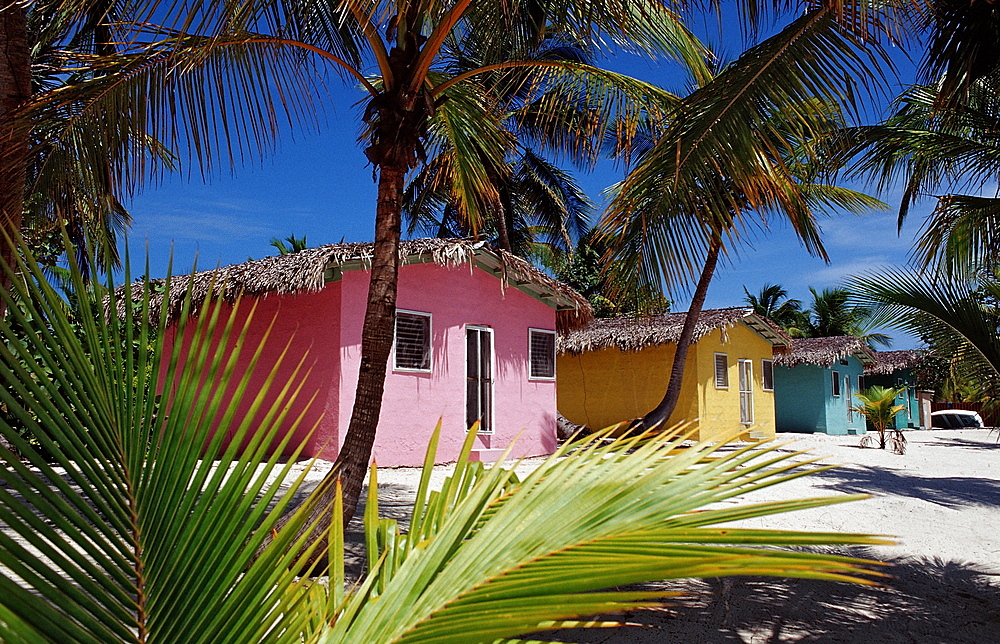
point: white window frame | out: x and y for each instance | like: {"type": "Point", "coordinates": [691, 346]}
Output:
{"type": "Point", "coordinates": [430, 345]}
{"type": "Point", "coordinates": [715, 370]}
{"type": "Point", "coordinates": [836, 384]}
{"type": "Point", "coordinates": [552, 333]}
{"type": "Point", "coordinates": [763, 380]}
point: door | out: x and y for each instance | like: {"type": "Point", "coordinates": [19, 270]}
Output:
{"type": "Point", "coordinates": [848, 397]}
{"type": "Point", "coordinates": [746, 391]}
{"type": "Point", "coordinates": [479, 377]}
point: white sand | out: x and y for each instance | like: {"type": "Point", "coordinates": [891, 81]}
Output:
{"type": "Point", "coordinates": [941, 500]}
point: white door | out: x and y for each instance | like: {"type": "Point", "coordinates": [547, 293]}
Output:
{"type": "Point", "coordinates": [746, 391]}
{"type": "Point", "coordinates": [848, 397]}
{"type": "Point", "coordinates": [479, 377]}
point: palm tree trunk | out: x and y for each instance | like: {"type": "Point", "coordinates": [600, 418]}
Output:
{"type": "Point", "coordinates": [376, 338]}
{"type": "Point", "coordinates": [665, 409]}
{"type": "Point", "coordinates": [503, 236]}
{"type": "Point", "coordinates": [15, 89]}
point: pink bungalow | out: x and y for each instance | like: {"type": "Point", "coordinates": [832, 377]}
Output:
{"type": "Point", "coordinates": [474, 340]}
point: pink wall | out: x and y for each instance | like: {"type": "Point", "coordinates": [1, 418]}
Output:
{"type": "Point", "coordinates": [308, 324]}
{"type": "Point", "coordinates": [413, 402]}
{"type": "Point", "coordinates": [325, 329]}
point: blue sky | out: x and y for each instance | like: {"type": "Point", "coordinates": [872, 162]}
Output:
{"type": "Point", "coordinates": [320, 185]}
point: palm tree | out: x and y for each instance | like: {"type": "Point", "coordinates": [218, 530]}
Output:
{"type": "Point", "coordinates": [832, 314]}
{"type": "Point", "coordinates": [773, 303]}
{"type": "Point", "coordinates": [583, 269]}
{"type": "Point", "coordinates": [960, 47]}
{"type": "Point", "coordinates": [878, 406]}
{"type": "Point", "coordinates": [959, 314]}
{"type": "Point", "coordinates": [737, 147]}
{"type": "Point", "coordinates": [525, 200]}
{"type": "Point", "coordinates": [294, 245]}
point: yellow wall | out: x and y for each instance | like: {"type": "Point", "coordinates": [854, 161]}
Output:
{"type": "Point", "coordinates": [720, 408]}
{"type": "Point", "coordinates": [601, 388]}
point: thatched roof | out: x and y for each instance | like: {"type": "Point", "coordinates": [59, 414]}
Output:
{"type": "Point", "coordinates": [632, 333]}
{"type": "Point", "coordinates": [309, 270]}
{"type": "Point", "coordinates": [826, 351]}
{"type": "Point", "coordinates": [887, 362]}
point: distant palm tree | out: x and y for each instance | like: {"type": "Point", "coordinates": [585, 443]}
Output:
{"type": "Point", "coordinates": [832, 314]}
{"type": "Point", "coordinates": [294, 245]}
{"type": "Point", "coordinates": [773, 303]}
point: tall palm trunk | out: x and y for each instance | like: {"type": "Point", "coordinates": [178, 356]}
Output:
{"type": "Point", "coordinates": [15, 89]}
{"type": "Point", "coordinates": [376, 338]}
{"type": "Point", "coordinates": [665, 409]}
{"type": "Point", "coordinates": [400, 119]}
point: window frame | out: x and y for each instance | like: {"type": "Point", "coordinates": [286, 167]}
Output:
{"type": "Point", "coordinates": [725, 372]}
{"type": "Point", "coordinates": [429, 342]}
{"type": "Point", "coordinates": [531, 375]}
{"type": "Point", "coordinates": [763, 373]}
{"type": "Point", "coordinates": [836, 384]}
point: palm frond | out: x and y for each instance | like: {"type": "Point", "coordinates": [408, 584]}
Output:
{"type": "Point", "coordinates": [960, 232]}
{"type": "Point", "coordinates": [481, 561]}
{"type": "Point", "coordinates": [147, 523]}
{"type": "Point", "coordinates": [952, 310]}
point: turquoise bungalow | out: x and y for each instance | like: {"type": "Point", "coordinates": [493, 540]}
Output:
{"type": "Point", "coordinates": [899, 369]}
{"type": "Point", "coordinates": [815, 383]}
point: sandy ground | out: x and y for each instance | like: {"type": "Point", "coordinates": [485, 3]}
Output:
{"type": "Point", "coordinates": [942, 502]}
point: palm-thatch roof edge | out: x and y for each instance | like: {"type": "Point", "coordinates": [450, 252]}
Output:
{"type": "Point", "coordinates": [309, 270]}
{"type": "Point", "coordinates": [888, 362]}
{"type": "Point", "coordinates": [634, 333]}
{"type": "Point", "coordinates": [826, 351]}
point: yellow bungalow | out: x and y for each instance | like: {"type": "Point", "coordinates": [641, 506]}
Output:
{"type": "Point", "coordinates": [617, 369]}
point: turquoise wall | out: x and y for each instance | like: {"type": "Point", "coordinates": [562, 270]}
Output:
{"type": "Point", "coordinates": [804, 400]}
{"type": "Point", "coordinates": [909, 417]}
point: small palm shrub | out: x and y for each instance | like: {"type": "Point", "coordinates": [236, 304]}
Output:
{"type": "Point", "coordinates": [878, 406]}
{"type": "Point", "coordinates": [149, 527]}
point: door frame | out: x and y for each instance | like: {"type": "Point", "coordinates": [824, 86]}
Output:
{"type": "Point", "coordinates": [493, 379]}
{"type": "Point", "coordinates": [748, 365]}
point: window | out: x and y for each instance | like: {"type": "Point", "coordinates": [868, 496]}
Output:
{"type": "Point", "coordinates": [767, 373]}
{"type": "Point", "coordinates": [721, 371]}
{"type": "Point", "coordinates": [836, 384]}
{"type": "Point", "coordinates": [413, 341]}
{"type": "Point", "coordinates": [541, 354]}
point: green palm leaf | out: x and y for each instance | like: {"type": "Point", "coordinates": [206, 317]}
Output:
{"type": "Point", "coordinates": [482, 561]}
{"type": "Point", "coordinates": [956, 311]}
{"type": "Point", "coordinates": [146, 525]}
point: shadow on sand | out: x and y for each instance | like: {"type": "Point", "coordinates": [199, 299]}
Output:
{"type": "Point", "coordinates": [953, 492]}
{"type": "Point", "coordinates": [965, 443]}
{"type": "Point", "coordinates": [928, 601]}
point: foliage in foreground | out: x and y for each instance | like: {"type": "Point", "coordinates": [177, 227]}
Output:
{"type": "Point", "coordinates": [878, 406]}
{"type": "Point", "coordinates": [490, 556]}
{"type": "Point", "coordinates": [149, 527]}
